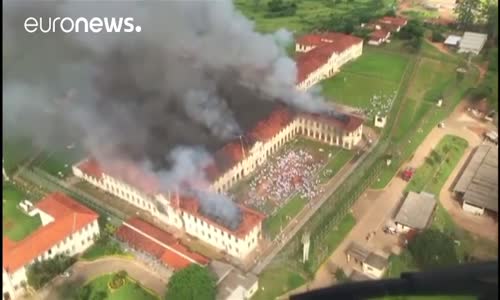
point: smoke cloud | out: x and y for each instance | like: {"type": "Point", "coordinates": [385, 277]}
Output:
{"type": "Point", "coordinates": [195, 77]}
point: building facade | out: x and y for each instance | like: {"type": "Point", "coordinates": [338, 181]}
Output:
{"type": "Point", "coordinates": [233, 162]}
{"type": "Point", "coordinates": [323, 54]}
{"type": "Point", "coordinates": [67, 228]}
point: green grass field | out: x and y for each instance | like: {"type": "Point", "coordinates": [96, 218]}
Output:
{"type": "Point", "coordinates": [380, 64]}
{"type": "Point", "coordinates": [274, 224]}
{"type": "Point", "coordinates": [438, 165]}
{"type": "Point", "coordinates": [335, 164]}
{"type": "Point", "coordinates": [104, 248]}
{"type": "Point", "coordinates": [16, 151]}
{"type": "Point", "coordinates": [58, 163]}
{"type": "Point", "coordinates": [431, 76]}
{"type": "Point", "coordinates": [308, 13]}
{"type": "Point", "coordinates": [275, 281]}
{"type": "Point", "coordinates": [128, 291]}
{"type": "Point", "coordinates": [335, 237]}
{"type": "Point", "coordinates": [378, 72]}
{"type": "Point", "coordinates": [16, 224]}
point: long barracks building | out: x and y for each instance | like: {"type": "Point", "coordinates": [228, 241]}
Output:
{"type": "Point", "coordinates": [233, 162]}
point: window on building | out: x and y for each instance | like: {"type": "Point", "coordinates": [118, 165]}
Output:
{"type": "Point", "coordinates": [50, 251]}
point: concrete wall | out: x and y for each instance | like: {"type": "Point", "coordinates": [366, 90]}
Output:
{"type": "Point", "coordinates": [472, 209]}
{"type": "Point", "coordinates": [372, 271]}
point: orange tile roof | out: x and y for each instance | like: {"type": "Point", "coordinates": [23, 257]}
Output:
{"type": "Point", "coordinates": [174, 255]}
{"type": "Point", "coordinates": [123, 170]}
{"type": "Point", "coordinates": [398, 21]}
{"type": "Point", "coordinates": [69, 217]}
{"type": "Point", "coordinates": [326, 44]}
{"type": "Point", "coordinates": [90, 167]}
{"type": "Point", "coordinates": [249, 220]}
{"type": "Point", "coordinates": [379, 35]}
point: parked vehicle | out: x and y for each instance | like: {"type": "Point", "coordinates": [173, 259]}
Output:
{"type": "Point", "coordinates": [408, 173]}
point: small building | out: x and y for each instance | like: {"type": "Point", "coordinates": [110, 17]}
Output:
{"type": "Point", "coordinates": [375, 265]}
{"type": "Point", "coordinates": [393, 24]}
{"type": "Point", "coordinates": [358, 276]}
{"type": "Point", "coordinates": [477, 186]}
{"type": "Point", "coordinates": [472, 42]}
{"type": "Point", "coordinates": [67, 227]}
{"type": "Point", "coordinates": [380, 121]}
{"type": "Point", "coordinates": [452, 40]}
{"type": "Point", "coordinates": [233, 284]}
{"type": "Point", "coordinates": [157, 244]}
{"type": "Point", "coordinates": [416, 212]}
{"type": "Point", "coordinates": [372, 265]}
{"type": "Point", "coordinates": [378, 37]}
{"type": "Point", "coordinates": [357, 253]}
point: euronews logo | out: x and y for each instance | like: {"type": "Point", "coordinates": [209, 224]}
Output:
{"type": "Point", "coordinates": [81, 24]}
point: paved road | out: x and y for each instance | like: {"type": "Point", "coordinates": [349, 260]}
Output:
{"type": "Point", "coordinates": [83, 271]}
{"type": "Point", "coordinates": [385, 201]}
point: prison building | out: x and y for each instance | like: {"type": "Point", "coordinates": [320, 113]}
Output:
{"type": "Point", "coordinates": [67, 228]}
{"type": "Point", "coordinates": [233, 162]}
{"type": "Point", "coordinates": [322, 55]}
{"type": "Point", "coordinates": [242, 156]}
{"type": "Point", "coordinates": [157, 243]}
{"type": "Point", "coordinates": [477, 186]}
{"type": "Point", "coordinates": [416, 212]}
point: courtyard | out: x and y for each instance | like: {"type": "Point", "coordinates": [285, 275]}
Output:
{"type": "Point", "coordinates": [287, 181]}
{"type": "Point", "coordinates": [16, 223]}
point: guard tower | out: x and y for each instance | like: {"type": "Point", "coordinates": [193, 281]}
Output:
{"type": "Point", "coordinates": [306, 241]}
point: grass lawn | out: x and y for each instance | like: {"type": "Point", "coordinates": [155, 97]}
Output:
{"type": "Point", "coordinates": [380, 64]}
{"type": "Point", "coordinates": [275, 281]}
{"type": "Point", "coordinates": [308, 14]}
{"type": "Point", "coordinates": [438, 165]}
{"type": "Point", "coordinates": [16, 224]}
{"type": "Point", "coordinates": [128, 291]}
{"type": "Point", "coordinates": [426, 117]}
{"type": "Point", "coordinates": [16, 151]}
{"type": "Point", "coordinates": [59, 162]}
{"type": "Point", "coordinates": [378, 72]}
{"type": "Point", "coordinates": [335, 237]}
{"type": "Point", "coordinates": [273, 224]}
{"type": "Point", "coordinates": [103, 247]}
{"type": "Point", "coordinates": [344, 88]}
{"type": "Point", "coordinates": [336, 163]}
{"type": "Point", "coordinates": [431, 75]}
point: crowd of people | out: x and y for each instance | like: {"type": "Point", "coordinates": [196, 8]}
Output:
{"type": "Point", "coordinates": [290, 173]}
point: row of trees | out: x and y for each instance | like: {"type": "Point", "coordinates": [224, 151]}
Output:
{"type": "Point", "coordinates": [478, 15]}
{"type": "Point", "coordinates": [280, 8]}
{"type": "Point", "coordinates": [41, 272]}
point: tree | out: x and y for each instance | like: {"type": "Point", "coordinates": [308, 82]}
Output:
{"type": "Point", "coordinates": [466, 11]}
{"type": "Point", "coordinates": [340, 275]}
{"type": "Point", "coordinates": [437, 36]}
{"type": "Point", "coordinates": [41, 272]}
{"type": "Point", "coordinates": [492, 22]}
{"type": "Point", "coordinates": [191, 283]}
{"type": "Point", "coordinates": [433, 249]}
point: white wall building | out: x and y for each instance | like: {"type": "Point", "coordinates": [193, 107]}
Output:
{"type": "Point", "coordinates": [323, 55]}
{"type": "Point", "coordinates": [233, 162]}
{"type": "Point", "coordinates": [472, 42]}
{"type": "Point", "coordinates": [67, 228]}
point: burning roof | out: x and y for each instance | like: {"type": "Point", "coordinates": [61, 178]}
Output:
{"type": "Point", "coordinates": [248, 220]}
